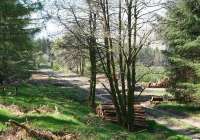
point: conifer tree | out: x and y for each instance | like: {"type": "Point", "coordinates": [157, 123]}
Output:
{"type": "Point", "coordinates": [16, 33]}
{"type": "Point", "coordinates": [182, 34]}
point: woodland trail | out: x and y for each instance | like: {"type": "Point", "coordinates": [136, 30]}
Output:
{"type": "Point", "coordinates": [183, 124]}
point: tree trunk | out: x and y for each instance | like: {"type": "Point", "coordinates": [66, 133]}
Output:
{"type": "Point", "coordinates": [129, 70]}
{"type": "Point", "coordinates": [92, 77]}
{"type": "Point", "coordinates": [92, 52]}
{"type": "Point", "coordinates": [121, 66]}
{"type": "Point", "coordinates": [82, 64]}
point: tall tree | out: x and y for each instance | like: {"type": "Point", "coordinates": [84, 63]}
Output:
{"type": "Point", "coordinates": [182, 34]}
{"type": "Point", "coordinates": [133, 36]}
{"type": "Point", "coordinates": [86, 36]}
{"type": "Point", "coordinates": [15, 38]}
{"type": "Point", "coordinates": [117, 31]}
{"type": "Point", "coordinates": [92, 46]}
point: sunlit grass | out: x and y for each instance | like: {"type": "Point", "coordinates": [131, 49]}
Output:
{"type": "Point", "coordinates": [69, 112]}
{"type": "Point", "coordinates": [189, 109]}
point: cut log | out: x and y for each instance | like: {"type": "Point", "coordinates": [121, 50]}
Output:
{"type": "Point", "coordinates": [172, 100]}
{"type": "Point", "coordinates": [108, 112]}
{"type": "Point", "coordinates": [157, 99]}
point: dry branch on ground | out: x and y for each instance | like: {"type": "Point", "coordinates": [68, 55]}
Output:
{"type": "Point", "coordinates": [20, 131]}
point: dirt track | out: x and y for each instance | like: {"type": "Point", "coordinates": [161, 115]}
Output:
{"type": "Point", "coordinates": [186, 125]}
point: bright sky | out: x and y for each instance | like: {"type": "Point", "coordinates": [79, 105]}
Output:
{"type": "Point", "coordinates": [52, 29]}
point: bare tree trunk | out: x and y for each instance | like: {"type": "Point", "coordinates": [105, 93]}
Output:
{"type": "Point", "coordinates": [110, 63]}
{"type": "Point", "coordinates": [127, 54]}
{"type": "Point", "coordinates": [121, 65]}
{"type": "Point", "coordinates": [134, 54]}
{"type": "Point", "coordinates": [92, 52]}
{"type": "Point", "coordinates": [82, 64]}
{"type": "Point", "coordinates": [77, 69]}
{"type": "Point", "coordinates": [130, 85]}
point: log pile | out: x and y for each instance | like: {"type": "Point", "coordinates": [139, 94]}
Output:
{"type": "Point", "coordinates": [156, 100]}
{"type": "Point", "coordinates": [160, 84]}
{"type": "Point", "coordinates": [159, 99]}
{"type": "Point", "coordinates": [108, 112]}
{"type": "Point", "coordinates": [172, 99]}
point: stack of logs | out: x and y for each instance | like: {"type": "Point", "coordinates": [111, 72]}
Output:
{"type": "Point", "coordinates": [160, 84]}
{"type": "Point", "coordinates": [159, 99]}
{"type": "Point", "coordinates": [107, 112]}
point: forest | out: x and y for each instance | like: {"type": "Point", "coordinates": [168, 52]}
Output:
{"type": "Point", "coordinates": [99, 69]}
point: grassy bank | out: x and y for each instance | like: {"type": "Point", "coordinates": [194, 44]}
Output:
{"type": "Point", "coordinates": [65, 109]}
{"type": "Point", "coordinates": [188, 109]}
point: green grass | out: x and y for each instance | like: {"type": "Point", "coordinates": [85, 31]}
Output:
{"type": "Point", "coordinates": [184, 108]}
{"type": "Point", "coordinates": [152, 74]}
{"type": "Point", "coordinates": [72, 115]}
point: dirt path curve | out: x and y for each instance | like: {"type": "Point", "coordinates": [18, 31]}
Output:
{"type": "Point", "coordinates": [184, 125]}
{"type": "Point", "coordinates": [60, 78]}
{"type": "Point", "coordinates": [83, 82]}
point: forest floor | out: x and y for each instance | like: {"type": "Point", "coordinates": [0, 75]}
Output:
{"type": "Point", "coordinates": [57, 102]}
{"type": "Point", "coordinates": [167, 114]}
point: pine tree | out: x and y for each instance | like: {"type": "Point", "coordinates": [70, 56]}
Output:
{"type": "Point", "coordinates": [16, 32]}
{"type": "Point", "coordinates": [182, 34]}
